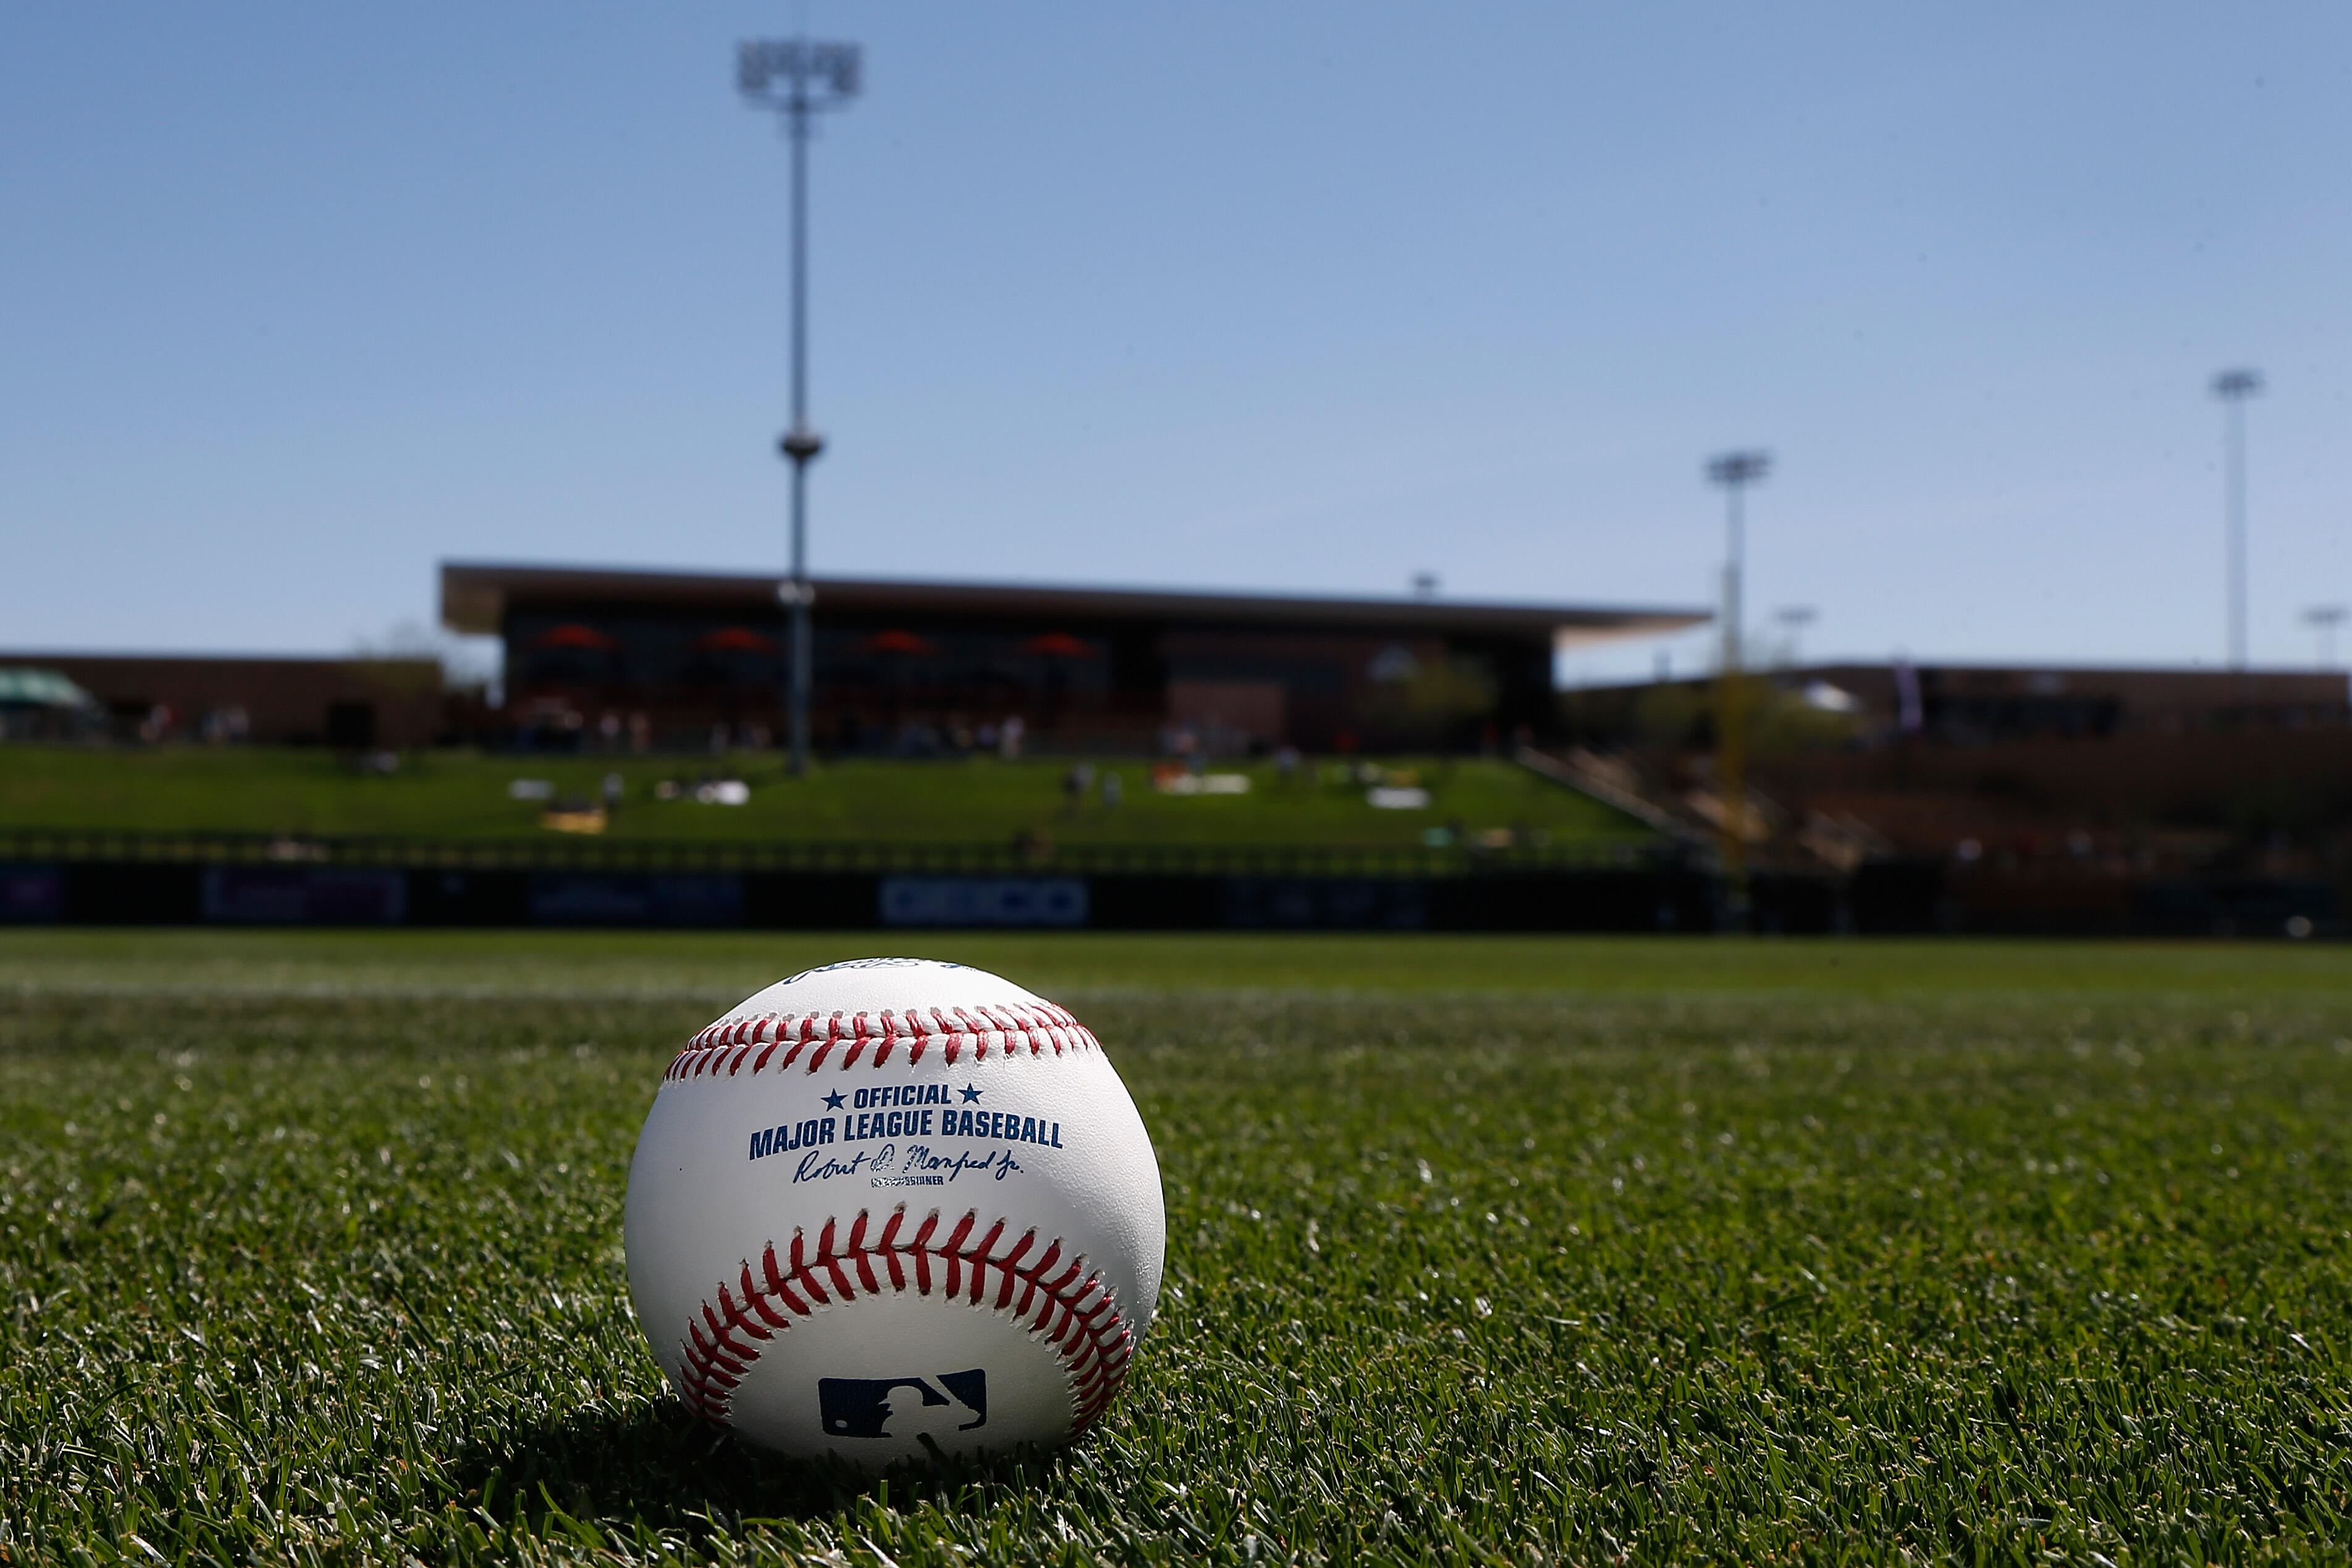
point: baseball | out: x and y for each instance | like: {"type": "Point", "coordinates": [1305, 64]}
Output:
{"type": "Point", "coordinates": [895, 1209]}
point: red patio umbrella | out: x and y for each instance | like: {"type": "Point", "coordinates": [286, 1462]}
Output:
{"type": "Point", "coordinates": [1057, 645]}
{"type": "Point", "coordinates": [734, 639]}
{"type": "Point", "coordinates": [572, 634]}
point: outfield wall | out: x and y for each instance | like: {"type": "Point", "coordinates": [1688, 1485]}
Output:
{"type": "Point", "coordinates": [1888, 898]}
{"type": "Point", "coordinates": [147, 893]}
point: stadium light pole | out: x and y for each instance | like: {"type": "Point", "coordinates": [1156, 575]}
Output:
{"type": "Point", "coordinates": [799, 79]}
{"type": "Point", "coordinates": [2233, 387]}
{"type": "Point", "coordinates": [1796, 617]}
{"type": "Point", "coordinates": [2324, 620]}
{"type": "Point", "coordinates": [1735, 472]}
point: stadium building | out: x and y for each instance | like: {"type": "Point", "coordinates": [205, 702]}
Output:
{"type": "Point", "coordinates": [352, 703]}
{"type": "Point", "coordinates": [1984, 705]}
{"type": "Point", "coordinates": [661, 658]}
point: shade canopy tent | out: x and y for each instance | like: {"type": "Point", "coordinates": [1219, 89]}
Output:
{"type": "Point", "coordinates": [44, 689]}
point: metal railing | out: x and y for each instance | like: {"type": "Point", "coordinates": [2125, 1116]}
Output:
{"type": "Point", "coordinates": [568, 853]}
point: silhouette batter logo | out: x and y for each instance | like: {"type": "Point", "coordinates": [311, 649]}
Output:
{"type": "Point", "coordinates": [876, 1407]}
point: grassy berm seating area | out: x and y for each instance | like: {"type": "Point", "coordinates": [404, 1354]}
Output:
{"type": "Point", "coordinates": [467, 794]}
{"type": "Point", "coordinates": [1480, 1251]}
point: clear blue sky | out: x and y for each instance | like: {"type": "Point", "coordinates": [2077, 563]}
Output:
{"type": "Point", "coordinates": [299, 300]}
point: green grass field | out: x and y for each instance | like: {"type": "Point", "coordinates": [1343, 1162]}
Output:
{"type": "Point", "coordinates": [463, 795]}
{"type": "Point", "coordinates": [1512, 1250]}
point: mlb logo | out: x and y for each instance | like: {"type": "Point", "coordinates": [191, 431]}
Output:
{"type": "Point", "coordinates": [903, 1407]}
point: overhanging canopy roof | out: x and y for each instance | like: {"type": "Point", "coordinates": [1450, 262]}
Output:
{"type": "Point", "coordinates": [475, 596]}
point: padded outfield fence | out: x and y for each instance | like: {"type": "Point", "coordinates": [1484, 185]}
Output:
{"type": "Point", "coordinates": [73, 878]}
{"type": "Point", "coordinates": [553, 852]}
{"type": "Point", "coordinates": [147, 878]}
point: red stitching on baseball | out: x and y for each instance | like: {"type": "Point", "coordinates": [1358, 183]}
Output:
{"type": "Point", "coordinates": [733, 1044]}
{"type": "Point", "coordinates": [1072, 1308]}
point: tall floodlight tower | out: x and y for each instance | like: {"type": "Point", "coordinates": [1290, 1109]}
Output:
{"type": "Point", "coordinates": [2324, 620]}
{"type": "Point", "coordinates": [1735, 472]}
{"type": "Point", "coordinates": [2233, 387]}
{"type": "Point", "coordinates": [800, 80]}
{"type": "Point", "coordinates": [1796, 618]}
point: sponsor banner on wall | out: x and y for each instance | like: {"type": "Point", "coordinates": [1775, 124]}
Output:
{"type": "Point", "coordinates": [984, 901]}
{"type": "Point", "coordinates": [580, 899]}
{"type": "Point", "coordinates": [32, 892]}
{"type": "Point", "coordinates": [1306, 903]}
{"type": "Point", "coordinates": [303, 895]}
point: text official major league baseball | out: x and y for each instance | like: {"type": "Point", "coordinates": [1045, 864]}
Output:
{"type": "Point", "coordinates": [895, 1209]}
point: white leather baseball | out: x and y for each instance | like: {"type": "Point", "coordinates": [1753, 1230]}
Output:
{"type": "Point", "coordinates": [895, 1209]}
